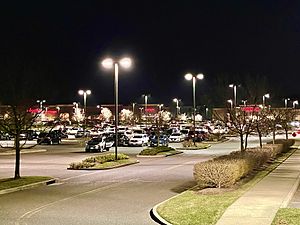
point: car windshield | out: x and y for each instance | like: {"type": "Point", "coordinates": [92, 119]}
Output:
{"type": "Point", "coordinates": [94, 141]}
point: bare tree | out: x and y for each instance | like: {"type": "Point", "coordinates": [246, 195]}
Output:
{"type": "Point", "coordinates": [239, 122]}
{"type": "Point", "coordinates": [288, 115]}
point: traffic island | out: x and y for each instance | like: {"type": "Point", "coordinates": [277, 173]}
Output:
{"type": "Point", "coordinates": [9, 185]}
{"type": "Point", "coordinates": [103, 162]}
{"type": "Point", "coordinates": [158, 152]}
{"type": "Point", "coordinates": [190, 145]}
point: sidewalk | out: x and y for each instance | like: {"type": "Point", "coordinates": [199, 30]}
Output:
{"type": "Point", "coordinates": [259, 205]}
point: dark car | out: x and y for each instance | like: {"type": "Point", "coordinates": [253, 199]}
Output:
{"type": "Point", "coordinates": [49, 138]}
{"type": "Point", "coordinates": [4, 136]}
{"type": "Point", "coordinates": [28, 135]}
{"type": "Point", "coordinates": [163, 140]}
{"type": "Point", "coordinates": [197, 136]}
{"type": "Point", "coordinates": [96, 144]}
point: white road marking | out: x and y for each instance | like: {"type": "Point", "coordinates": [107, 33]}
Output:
{"type": "Point", "coordinates": [174, 167]}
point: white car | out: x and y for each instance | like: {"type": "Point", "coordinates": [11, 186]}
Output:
{"type": "Point", "coordinates": [139, 140]}
{"type": "Point", "coordinates": [176, 137]}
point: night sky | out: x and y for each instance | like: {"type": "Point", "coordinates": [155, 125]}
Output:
{"type": "Point", "coordinates": [65, 40]}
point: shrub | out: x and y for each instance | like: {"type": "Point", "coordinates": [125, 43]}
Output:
{"type": "Point", "coordinates": [226, 170]}
{"type": "Point", "coordinates": [286, 144]}
{"type": "Point", "coordinates": [155, 150]}
{"type": "Point", "coordinates": [190, 143]}
{"type": "Point", "coordinates": [213, 173]}
{"type": "Point", "coordinates": [92, 161]}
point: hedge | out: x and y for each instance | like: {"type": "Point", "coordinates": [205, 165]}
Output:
{"type": "Point", "coordinates": [224, 171]}
{"type": "Point", "coordinates": [286, 143]}
{"type": "Point", "coordinates": [92, 161]}
{"type": "Point", "coordinates": [156, 150]}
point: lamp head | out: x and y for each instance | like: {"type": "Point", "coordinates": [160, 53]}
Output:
{"type": "Point", "coordinates": [125, 63]}
{"type": "Point", "coordinates": [88, 92]}
{"type": "Point", "coordinates": [81, 92]}
{"type": "Point", "coordinates": [200, 76]}
{"type": "Point", "coordinates": [107, 63]}
{"type": "Point", "coordinates": [188, 76]}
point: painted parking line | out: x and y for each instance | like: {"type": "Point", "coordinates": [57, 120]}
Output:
{"type": "Point", "coordinates": [177, 166]}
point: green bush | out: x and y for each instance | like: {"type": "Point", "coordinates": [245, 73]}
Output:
{"type": "Point", "coordinates": [190, 143]}
{"type": "Point", "coordinates": [155, 150]}
{"type": "Point", "coordinates": [92, 161]}
{"type": "Point", "coordinates": [226, 170]}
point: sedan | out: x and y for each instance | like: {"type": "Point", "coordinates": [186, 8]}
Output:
{"type": "Point", "coordinates": [139, 140]}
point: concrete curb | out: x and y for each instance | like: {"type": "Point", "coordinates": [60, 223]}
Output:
{"type": "Point", "coordinates": [28, 186]}
{"type": "Point", "coordinates": [157, 156]}
{"type": "Point", "coordinates": [23, 152]}
{"type": "Point", "coordinates": [156, 217]}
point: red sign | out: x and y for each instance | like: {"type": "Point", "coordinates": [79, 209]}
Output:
{"type": "Point", "coordinates": [150, 110]}
{"type": "Point", "coordinates": [250, 109]}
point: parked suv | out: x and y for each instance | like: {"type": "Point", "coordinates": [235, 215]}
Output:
{"type": "Point", "coordinates": [163, 140]}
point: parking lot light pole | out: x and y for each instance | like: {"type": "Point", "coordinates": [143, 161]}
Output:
{"type": "Point", "coordinates": [109, 63]}
{"type": "Point", "coordinates": [231, 103]}
{"type": "Point", "coordinates": [286, 102]}
{"type": "Point", "coordinates": [234, 93]}
{"type": "Point", "coordinates": [264, 99]}
{"type": "Point", "coordinates": [84, 93]}
{"type": "Point", "coordinates": [295, 103]}
{"type": "Point", "coordinates": [41, 103]}
{"type": "Point", "coordinates": [177, 106]}
{"type": "Point", "coordinates": [192, 77]}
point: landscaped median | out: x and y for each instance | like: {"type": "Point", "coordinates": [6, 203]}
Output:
{"type": "Point", "coordinates": [102, 162]}
{"type": "Point", "coordinates": [160, 151]}
{"type": "Point", "coordinates": [190, 145]}
{"type": "Point", "coordinates": [221, 182]}
{"type": "Point", "coordinates": [9, 185]}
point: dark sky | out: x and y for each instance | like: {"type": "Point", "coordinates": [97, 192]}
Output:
{"type": "Point", "coordinates": [166, 39]}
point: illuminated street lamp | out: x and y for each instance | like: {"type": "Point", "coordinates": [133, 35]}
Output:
{"type": "Point", "coordinates": [146, 96]}
{"type": "Point", "coordinates": [109, 63]}
{"type": "Point", "coordinates": [84, 93]}
{"type": "Point", "coordinates": [231, 103]}
{"type": "Point", "coordinates": [264, 99]}
{"type": "Point", "coordinates": [244, 102]}
{"type": "Point", "coordinates": [295, 103]}
{"type": "Point", "coordinates": [192, 77]}
{"type": "Point", "coordinates": [177, 106]}
{"type": "Point", "coordinates": [286, 102]}
{"type": "Point", "coordinates": [41, 103]}
{"type": "Point", "coordinates": [234, 93]}
{"type": "Point", "coordinates": [160, 106]}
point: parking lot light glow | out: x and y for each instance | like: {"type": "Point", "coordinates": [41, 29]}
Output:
{"type": "Point", "coordinates": [107, 63]}
{"type": "Point", "coordinates": [188, 76]}
{"type": "Point", "coordinates": [126, 62]}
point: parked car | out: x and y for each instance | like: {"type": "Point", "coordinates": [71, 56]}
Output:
{"type": "Point", "coordinates": [176, 137]}
{"type": "Point", "coordinates": [49, 138]}
{"type": "Point", "coordinates": [4, 136]}
{"type": "Point", "coordinates": [163, 140]}
{"type": "Point", "coordinates": [96, 144]}
{"type": "Point", "coordinates": [139, 140]}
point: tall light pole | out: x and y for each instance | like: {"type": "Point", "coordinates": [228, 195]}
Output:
{"type": "Point", "coordinates": [264, 99]}
{"type": "Point", "coordinates": [109, 63]}
{"type": "Point", "coordinates": [295, 103]}
{"type": "Point", "coordinates": [234, 93]}
{"type": "Point", "coordinates": [177, 106]}
{"type": "Point", "coordinates": [85, 93]}
{"type": "Point", "coordinates": [192, 77]}
{"type": "Point", "coordinates": [160, 107]}
{"type": "Point", "coordinates": [146, 96]}
{"type": "Point", "coordinates": [231, 103]}
{"type": "Point", "coordinates": [133, 111]}
{"type": "Point", "coordinates": [41, 103]}
{"type": "Point", "coordinates": [244, 102]}
{"type": "Point", "coordinates": [286, 102]}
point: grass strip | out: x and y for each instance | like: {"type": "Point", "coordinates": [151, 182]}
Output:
{"type": "Point", "coordinates": [191, 207]}
{"type": "Point", "coordinates": [12, 183]}
{"type": "Point", "coordinates": [287, 216]}
{"type": "Point", "coordinates": [113, 164]}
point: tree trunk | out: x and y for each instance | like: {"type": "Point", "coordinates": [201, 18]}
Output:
{"type": "Point", "coordinates": [260, 139]}
{"type": "Point", "coordinates": [274, 136]}
{"type": "Point", "coordinates": [246, 141]}
{"type": "Point", "coordinates": [242, 142]}
{"type": "Point", "coordinates": [17, 163]}
{"type": "Point", "coordinates": [286, 134]}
